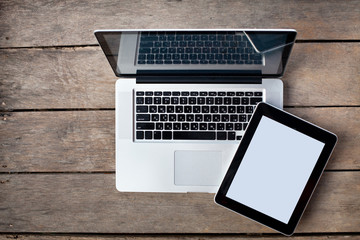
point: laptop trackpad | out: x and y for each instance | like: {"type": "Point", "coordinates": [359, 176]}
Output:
{"type": "Point", "coordinates": [202, 168]}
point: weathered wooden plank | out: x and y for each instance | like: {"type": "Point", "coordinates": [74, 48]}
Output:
{"type": "Point", "coordinates": [84, 140]}
{"type": "Point", "coordinates": [317, 75]}
{"type": "Point", "coordinates": [43, 23]}
{"type": "Point", "coordinates": [89, 203]}
{"type": "Point", "coordinates": [167, 237]}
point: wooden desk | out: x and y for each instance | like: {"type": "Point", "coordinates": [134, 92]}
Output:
{"type": "Point", "coordinates": [57, 160]}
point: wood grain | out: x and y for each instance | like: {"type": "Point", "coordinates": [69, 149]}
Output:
{"type": "Point", "coordinates": [44, 23]}
{"type": "Point", "coordinates": [73, 141]}
{"type": "Point", "coordinates": [89, 203]}
{"type": "Point", "coordinates": [317, 75]}
{"type": "Point", "coordinates": [167, 237]}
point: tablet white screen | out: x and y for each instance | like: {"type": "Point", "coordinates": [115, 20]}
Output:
{"type": "Point", "coordinates": [275, 169]}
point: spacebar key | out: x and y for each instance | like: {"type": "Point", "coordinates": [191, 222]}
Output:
{"type": "Point", "coordinates": [195, 135]}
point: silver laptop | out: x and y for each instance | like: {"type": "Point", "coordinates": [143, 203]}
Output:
{"type": "Point", "coordinates": [184, 98]}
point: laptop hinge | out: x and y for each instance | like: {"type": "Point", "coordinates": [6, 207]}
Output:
{"type": "Point", "coordinates": [199, 79]}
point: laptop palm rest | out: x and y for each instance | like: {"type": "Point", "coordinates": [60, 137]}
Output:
{"type": "Point", "coordinates": [198, 168]}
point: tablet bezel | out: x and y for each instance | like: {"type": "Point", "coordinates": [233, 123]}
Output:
{"type": "Point", "coordinates": [300, 125]}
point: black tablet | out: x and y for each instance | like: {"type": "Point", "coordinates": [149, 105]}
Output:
{"type": "Point", "coordinates": [276, 168]}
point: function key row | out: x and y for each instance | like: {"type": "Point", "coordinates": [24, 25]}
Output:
{"type": "Point", "coordinates": [195, 93]}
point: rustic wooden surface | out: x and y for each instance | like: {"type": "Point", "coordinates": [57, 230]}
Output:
{"type": "Point", "coordinates": [57, 119]}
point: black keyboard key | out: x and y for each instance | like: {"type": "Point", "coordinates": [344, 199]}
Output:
{"type": "Point", "coordinates": [221, 136]}
{"type": "Point", "coordinates": [148, 100]}
{"type": "Point", "coordinates": [185, 126]}
{"type": "Point", "coordinates": [190, 117]}
{"type": "Point", "coordinates": [157, 100]}
{"type": "Point", "coordinates": [157, 135]}
{"type": "Point", "coordinates": [229, 126]}
{"type": "Point", "coordinates": [225, 118]}
{"type": "Point", "coordinates": [158, 94]}
{"type": "Point", "coordinates": [198, 118]}
{"type": "Point", "coordinates": [170, 109]}
{"type": "Point", "coordinates": [176, 93]}
{"type": "Point", "coordinates": [203, 93]}
{"type": "Point", "coordinates": [207, 118]}
{"type": "Point", "coordinates": [200, 100]}
{"type": "Point", "coordinates": [238, 137]}
{"type": "Point", "coordinates": [205, 109]}
{"type": "Point", "coordinates": [220, 126]}
{"type": "Point", "coordinates": [249, 109]}
{"type": "Point", "coordinates": [177, 126]}
{"type": "Point", "coordinates": [240, 109]}
{"type": "Point", "coordinates": [192, 100]}
{"type": "Point", "coordinates": [185, 93]}
{"type": "Point", "coordinates": [196, 109]}
{"type": "Point", "coordinates": [167, 93]}
{"type": "Point", "coordinates": [179, 109]}
{"type": "Point", "coordinates": [194, 126]}
{"type": "Point", "coordinates": [154, 117]}
{"type": "Point", "coordinates": [167, 135]}
{"type": "Point", "coordinates": [181, 117]}
{"type": "Point", "coordinates": [139, 134]}
{"type": "Point", "coordinates": [144, 50]}
{"type": "Point", "coordinates": [214, 109]}
{"type": "Point", "coordinates": [165, 100]}
{"type": "Point", "coordinates": [172, 117]}
{"type": "Point", "coordinates": [245, 101]}
{"type": "Point", "coordinates": [168, 126]}
{"type": "Point", "coordinates": [182, 135]}
{"type": "Point", "coordinates": [233, 118]}
{"type": "Point", "coordinates": [231, 135]}
{"type": "Point", "coordinates": [159, 126]}
{"type": "Point", "coordinates": [238, 126]}
{"type": "Point", "coordinates": [148, 135]}
{"type": "Point", "coordinates": [236, 100]}
{"type": "Point", "coordinates": [218, 100]}
{"type": "Point", "coordinates": [242, 118]}
{"type": "Point", "coordinates": [174, 100]}
{"type": "Point", "coordinates": [223, 109]}
{"type": "Point", "coordinates": [216, 118]}
{"type": "Point", "coordinates": [183, 100]}
{"type": "Point", "coordinates": [163, 117]}
{"type": "Point", "coordinates": [141, 109]}
{"type": "Point", "coordinates": [210, 100]}
{"type": "Point", "coordinates": [255, 100]}
{"type": "Point", "coordinates": [231, 109]}
{"type": "Point", "coordinates": [258, 94]}
{"type": "Point", "coordinates": [187, 109]}
{"type": "Point", "coordinates": [149, 93]}
{"type": "Point", "coordinates": [139, 100]}
{"type": "Point", "coordinates": [139, 93]}
{"type": "Point", "coordinates": [227, 100]}
{"type": "Point", "coordinates": [142, 117]}
{"type": "Point", "coordinates": [249, 94]}
{"type": "Point", "coordinates": [203, 126]}
{"type": "Point", "coordinates": [146, 126]}
{"type": "Point", "coordinates": [211, 126]}
{"type": "Point", "coordinates": [161, 109]}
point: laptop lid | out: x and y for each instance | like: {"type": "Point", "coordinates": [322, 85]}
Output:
{"type": "Point", "coordinates": [262, 53]}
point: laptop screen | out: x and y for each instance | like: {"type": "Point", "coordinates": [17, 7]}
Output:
{"type": "Point", "coordinates": [240, 52]}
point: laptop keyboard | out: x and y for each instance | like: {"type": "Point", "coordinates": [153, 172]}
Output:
{"type": "Point", "coordinates": [193, 115]}
{"type": "Point", "coordinates": [196, 48]}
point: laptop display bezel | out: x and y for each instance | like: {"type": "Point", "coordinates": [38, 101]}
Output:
{"type": "Point", "coordinates": [112, 55]}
